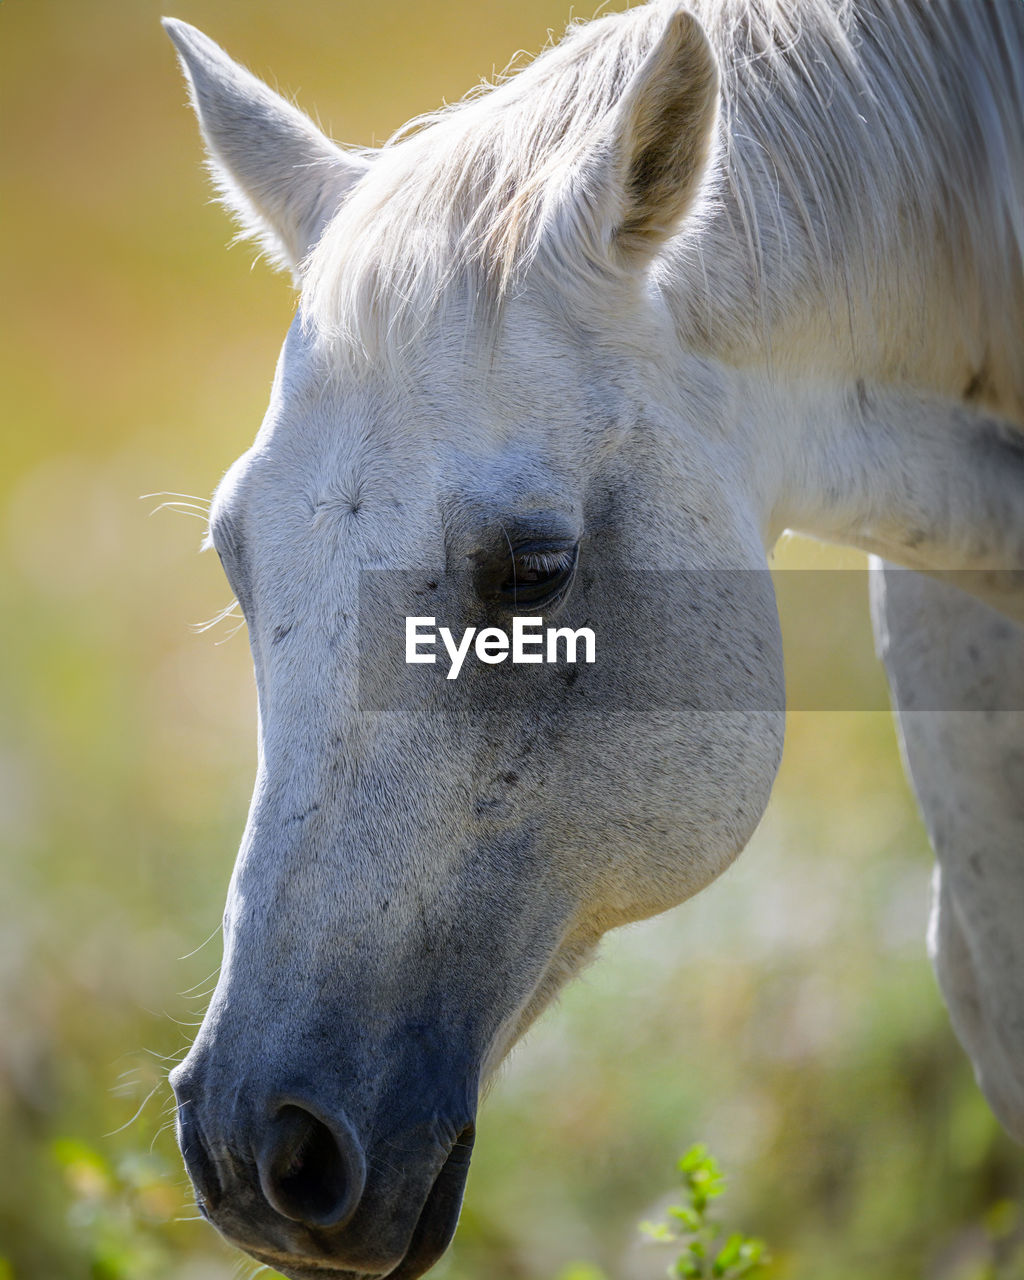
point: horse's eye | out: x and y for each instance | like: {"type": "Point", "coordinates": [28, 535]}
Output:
{"type": "Point", "coordinates": [535, 575]}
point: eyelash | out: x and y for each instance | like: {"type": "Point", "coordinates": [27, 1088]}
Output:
{"type": "Point", "coordinates": [546, 561]}
{"type": "Point", "coordinates": [536, 577]}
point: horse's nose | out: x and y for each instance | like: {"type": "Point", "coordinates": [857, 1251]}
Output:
{"type": "Point", "coordinates": [310, 1170]}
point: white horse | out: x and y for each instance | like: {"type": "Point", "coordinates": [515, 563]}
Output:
{"type": "Point", "coordinates": [586, 344]}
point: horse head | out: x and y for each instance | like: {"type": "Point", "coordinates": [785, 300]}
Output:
{"type": "Point", "coordinates": [481, 411]}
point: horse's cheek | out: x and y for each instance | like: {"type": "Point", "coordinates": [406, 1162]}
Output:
{"type": "Point", "coordinates": [657, 846]}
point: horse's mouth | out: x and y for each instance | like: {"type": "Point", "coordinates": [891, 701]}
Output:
{"type": "Point", "coordinates": [431, 1235]}
{"type": "Point", "coordinates": [440, 1215]}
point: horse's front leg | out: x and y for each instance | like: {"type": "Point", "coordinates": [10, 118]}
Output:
{"type": "Point", "coordinates": [923, 481]}
{"type": "Point", "coordinates": [956, 669]}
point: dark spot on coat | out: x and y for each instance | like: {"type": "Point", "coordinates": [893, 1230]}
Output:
{"type": "Point", "coordinates": [863, 399]}
{"type": "Point", "coordinates": [977, 386]}
{"type": "Point", "coordinates": [301, 817]}
{"type": "Point", "coordinates": [280, 633]}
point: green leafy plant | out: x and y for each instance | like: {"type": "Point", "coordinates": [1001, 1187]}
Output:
{"type": "Point", "coordinates": [704, 1255]}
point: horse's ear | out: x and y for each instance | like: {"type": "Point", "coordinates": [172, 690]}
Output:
{"type": "Point", "coordinates": [274, 169]}
{"type": "Point", "coordinates": [664, 131]}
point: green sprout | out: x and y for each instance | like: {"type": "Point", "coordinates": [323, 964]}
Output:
{"type": "Point", "coordinates": [703, 1255]}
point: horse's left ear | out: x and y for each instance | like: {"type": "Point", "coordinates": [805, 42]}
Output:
{"type": "Point", "coordinates": [274, 169]}
{"type": "Point", "coordinates": [664, 128]}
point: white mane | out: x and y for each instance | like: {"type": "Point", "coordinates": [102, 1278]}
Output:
{"type": "Point", "coordinates": [475, 190]}
{"type": "Point", "coordinates": [851, 132]}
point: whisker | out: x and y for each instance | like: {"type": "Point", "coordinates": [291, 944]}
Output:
{"type": "Point", "coordinates": [177, 1021]}
{"type": "Point", "coordinates": [179, 504]}
{"type": "Point", "coordinates": [203, 995]}
{"type": "Point", "coordinates": [167, 1057]}
{"type": "Point", "coordinates": [171, 493]}
{"type": "Point", "coordinates": [159, 1134]}
{"type": "Point", "coordinates": [183, 509]}
{"type": "Point", "coordinates": [374, 1162]}
{"type": "Point", "coordinates": [189, 954]}
{"type": "Point", "coordinates": [142, 1106]}
{"type": "Point", "coordinates": [232, 632]}
{"type": "Point", "coordinates": [227, 612]}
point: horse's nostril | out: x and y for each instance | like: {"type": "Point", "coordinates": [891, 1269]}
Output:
{"type": "Point", "coordinates": [309, 1171]}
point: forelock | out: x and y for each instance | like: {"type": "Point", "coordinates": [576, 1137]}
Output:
{"type": "Point", "coordinates": [459, 204]}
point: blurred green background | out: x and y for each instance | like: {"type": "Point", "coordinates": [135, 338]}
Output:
{"type": "Point", "coordinates": [788, 1016]}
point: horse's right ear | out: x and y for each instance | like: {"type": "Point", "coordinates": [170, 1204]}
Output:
{"type": "Point", "coordinates": [274, 169]}
{"type": "Point", "coordinates": [664, 127]}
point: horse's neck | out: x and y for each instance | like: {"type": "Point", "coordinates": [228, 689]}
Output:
{"type": "Point", "coordinates": [869, 219]}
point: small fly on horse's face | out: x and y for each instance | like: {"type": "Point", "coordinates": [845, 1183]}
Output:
{"type": "Point", "coordinates": [476, 414]}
